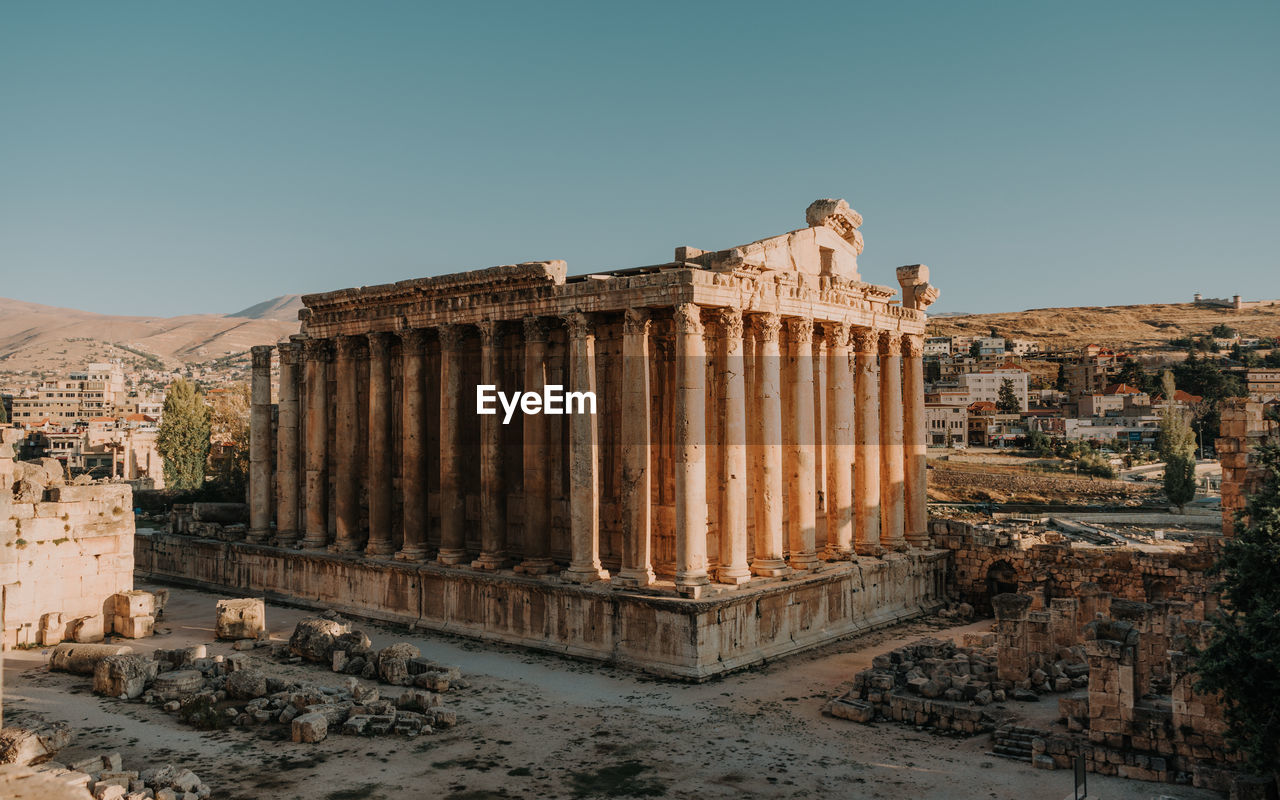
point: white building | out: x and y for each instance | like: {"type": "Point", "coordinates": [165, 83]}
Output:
{"type": "Point", "coordinates": [985, 384]}
{"type": "Point", "coordinates": [937, 346]}
{"type": "Point", "coordinates": [946, 424]}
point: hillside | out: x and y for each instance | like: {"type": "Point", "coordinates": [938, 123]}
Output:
{"type": "Point", "coordinates": [1129, 327]}
{"type": "Point", "coordinates": [284, 308]}
{"type": "Point", "coordinates": [49, 339]}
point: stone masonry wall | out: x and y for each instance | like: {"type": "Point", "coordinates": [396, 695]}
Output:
{"type": "Point", "coordinates": [63, 557]}
{"type": "Point", "coordinates": [1243, 426]}
{"type": "Point", "coordinates": [1048, 569]}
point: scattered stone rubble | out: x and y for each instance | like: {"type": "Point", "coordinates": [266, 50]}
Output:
{"type": "Point", "coordinates": [106, 779]}
{"type": "Point", "coordinates": [217, 691]}
{"type": "Point", "coordinates": [933, 683]}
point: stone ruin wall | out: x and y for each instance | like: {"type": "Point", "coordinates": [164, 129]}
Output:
{"type": "Point", "coordinates": [1141, 717]}
{"type": "Point", "coordinates": [65, 551]}
{"type": "Point", "coordinates": [1051, 569]}
{"type": "Point", "coordinates": [1243, 427]}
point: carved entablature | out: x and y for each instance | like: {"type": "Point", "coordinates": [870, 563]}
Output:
{"type": "Point", "coordinates": [808, 273]}
{"type": "Point", "coordinates": [917, 294]}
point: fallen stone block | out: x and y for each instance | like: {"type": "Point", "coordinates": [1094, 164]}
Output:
{"type": "Point", "coordinates": [246, 684]}
{"type": "Point", "coordinates": [81, 659]}
{"type": "Point", "coordinates": [177, 684]}
{"type": "Point", "coordinates": [393, 663]}
{"type": "Point", "coordinates": [133, 603]}
{"type": "Point", "coordinates": [123, 676]}
{"type": "Point", "coordinates": [240, 618]}
{"type": "Point", "coordinates": [313, 638]}
{"type": "Point", "coordinates": [310, 728]}
{"type": "Point", "coordinates": [135, 627]}
{"type": "Point", "coordinates": [33, 744]}
{"type": "Point", "coordinates": [52, 629]}
{"type": "Point", "coordinates": [845, 708]}
{"type": "Point", "coordinates": [86, 629]}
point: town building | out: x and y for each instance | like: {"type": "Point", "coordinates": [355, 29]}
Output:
{"type": "Point", "coordinates": [1263, 384]}
{"type": "Point", "coordinates": [984, 385]}
{"type": "Point", "coordinates": [946, 424]}
{"type": "Point", "coordinates": [95, 391]}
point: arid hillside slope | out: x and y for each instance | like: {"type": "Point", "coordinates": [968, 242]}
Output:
{"type": "Point", "coordinates": [49, 339]}
{"type": "Point", "coordinates": [1131, 327]}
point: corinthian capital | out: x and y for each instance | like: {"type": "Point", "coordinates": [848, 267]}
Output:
{"type": "Point", "coordinates": [688, 318]}
{"type": "Point", "coordinates": [890, 343]}
{"type": "Point", "coordinates": [635, 322]}
{"type": "Point", "coordinates": [766, 327]}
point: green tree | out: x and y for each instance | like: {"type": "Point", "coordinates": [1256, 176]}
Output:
{"type": "Point", "coordinates": [1131, 373]}
{"type": "Point", "coordinates": [1221, 331]}
{"type": "Point", "coordinates": [1177, 445]}
{"type": "Point", "coordinates": [1007, 400]}
{"type": "Point", "coordinates": [229, 426]}
{"type": "Point", "coordinates": [4, 413]}
{"type": "Point", "coordinates": [1061, 383]}
{"type": "Point", "coordinates": [183, 440]}
{"type": "Point", "coordinates": [975, 349]}
{"type": "Point", "coordinates": [1242, 659]}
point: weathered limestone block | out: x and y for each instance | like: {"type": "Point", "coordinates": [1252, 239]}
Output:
{"type": "Point", "coordinates": [182, 657]}
{"type": "Point", "coordinates": [124, 676]}
{"type": "Point", "coordinates": [177, 684]}
{"type": "Point", "coordinates": [246, 684]}
{"type": "Point", "coordinates": [52, 628]}
{"type": "Point", "coordinates": [853, 709]}
{"type": "Point", "coordinates": [311, 727]}
{"type": "Point", "coordinates": [82, 659]}
{"type": "Point", "coordinates": [33, 744]}
{"type": "Point", "coordinates": [85, 629]}
{"type": "Point", "coordinates": [133, 603]}
{"type": "Point", "coordinates": [313, 639]}
{"type": "Point", "coordinates": [393, 663]}
{"type": "Point", "coordinates": [241, 619]}
{"type": "Point", "coordinates": [138, 627]}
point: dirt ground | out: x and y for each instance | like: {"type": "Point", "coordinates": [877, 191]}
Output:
{"type": "Point", "coordinates": [539, 726]}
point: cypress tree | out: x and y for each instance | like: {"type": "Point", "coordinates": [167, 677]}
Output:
{"type": "Point", "coordinates": [183, 441]}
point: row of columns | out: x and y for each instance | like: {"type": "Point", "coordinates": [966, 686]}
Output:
{"type": "Point", "coordinates": [872, 447]}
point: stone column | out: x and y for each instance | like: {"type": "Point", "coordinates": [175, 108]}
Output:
{"type": "Point", "coordinates": [346, 443]}
{"type": "Point", "coordinates": [914, 433]}
{"type": "Point", "coordinates": [259, 445]}
{"type": "Point", "coordinates": [767, 435]}
{"type": "Point", "coordinates": [584, 490]}
{"type": "Point", "coordinates": [381, 470]}
{"type": "Point", "coordinates": [637, 556]}
{"type": "Point", "coordinates": [287, 449]}
{"type": "Point", "coordinates": [733, 568]}
{"type": "Point", "coordinates": [690, 451]}
{"type": "Point", "coordinates": [866, 475]}
{"type": "Point", "coordinates": [413, 437]}
{"type": "Point", "coordinates": [318, 354]}
{"type": "Point", "coordinates": [493, 494]}
{"type": "Point", "coordinates": [537, 495]}
{"type": "Point", "coordinates": [839, 442]}
{"type": "Point", "coordinates": [802, 506]}
{"type": "Point", "coordinates": [453, 541]}
{"type": "Point", "coordinates": [892, 520]}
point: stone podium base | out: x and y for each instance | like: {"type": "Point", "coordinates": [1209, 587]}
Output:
{"type": "Point", "coordinates": [664, 635]}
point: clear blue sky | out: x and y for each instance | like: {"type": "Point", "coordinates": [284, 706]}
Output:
{"type": "Point", "coordinates": [167, 158]}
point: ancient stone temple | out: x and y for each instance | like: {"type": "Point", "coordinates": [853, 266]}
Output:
{"type": "Point", "coordinates": [751, 482]}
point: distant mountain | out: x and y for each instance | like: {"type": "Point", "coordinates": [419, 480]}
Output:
{"type": "Point", "coordinates": [1128, 327]}
{"type": "Point", "coordinates": [284, 308]}
{"type": "Point", "coordinates": [49, 339]}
